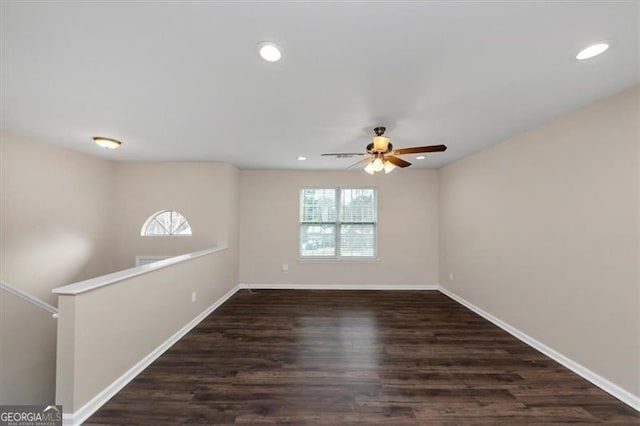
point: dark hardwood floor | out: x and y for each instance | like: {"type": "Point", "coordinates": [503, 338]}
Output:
{"type": "Point", "coordinates": [345, 357]}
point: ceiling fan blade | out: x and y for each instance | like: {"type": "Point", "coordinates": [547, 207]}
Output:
{"type": "Point", "coordinates": [397, 161]}
{"type": "Point", "coordinates": [344, 154]}
{"type": "Point", "coordinates": [364, 160]}
{"type": "Point", "coordinates": [420, 149]}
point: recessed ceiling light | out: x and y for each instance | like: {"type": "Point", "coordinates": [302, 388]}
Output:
{"type": "Point", "coordinates": [107, 143]}
{"type": "Point", "coordinates": [593, 50]}
{"type": "Point", "coordinates": [269, 51]}
{"type": "Point", "coordinates": [301, 158]}
{"type": "Point", "coordinates": [420, 157]}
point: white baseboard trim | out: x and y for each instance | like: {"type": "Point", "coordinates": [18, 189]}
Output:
{"type": "Point", "coordinates": [405, 287]}
{"type": "Point", "coordinates": [611, 388]}
{"type": "Point", "coordinates": [82, 414]}
{"type": "Point", "coordinates": [78, 417]}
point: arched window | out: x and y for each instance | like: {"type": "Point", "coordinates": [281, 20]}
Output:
{"type": "Point", "coordinates": [166, 222]}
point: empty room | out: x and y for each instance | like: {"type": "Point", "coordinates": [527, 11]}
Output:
{"type": "Point", "coordinates": [319, 212]}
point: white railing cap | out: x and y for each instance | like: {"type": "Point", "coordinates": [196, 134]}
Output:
{"type": "Point", "coordinates": [104, 280]}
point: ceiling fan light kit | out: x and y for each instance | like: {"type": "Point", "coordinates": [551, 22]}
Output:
{"type": "Point", "coordinates": [369, 168]}
{"type": "Point", "coordinates": [378, 164]}
{"type": "Point", "coordinates": [381, 156]}
{"type": "Point", "coordinates": [388, 167]}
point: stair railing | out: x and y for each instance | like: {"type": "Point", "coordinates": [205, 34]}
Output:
{"type": "Point", "coordinates": [30, 298]}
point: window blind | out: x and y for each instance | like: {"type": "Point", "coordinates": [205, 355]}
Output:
{"type": "Point", "coordinates": [338, 222]}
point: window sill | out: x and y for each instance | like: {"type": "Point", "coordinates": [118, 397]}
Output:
{"type": "Point", "coordinates": [338, 260]}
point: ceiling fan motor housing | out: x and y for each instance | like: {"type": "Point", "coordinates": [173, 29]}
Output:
{"type": "Point", "coordinates": [380, 143]}
{"type": "Point", "coordinates": [370, 149]}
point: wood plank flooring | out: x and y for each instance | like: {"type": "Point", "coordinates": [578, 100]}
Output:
{"type": "Point", "coordinates": [355, 357]}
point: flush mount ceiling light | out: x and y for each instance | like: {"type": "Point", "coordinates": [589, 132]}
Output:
{"type": "Point", "coordinates": [420, 157]}
{"type": "Point", "coordinates": [302, 158]}
{"type": "Point", "coordinates": [108, 143]}
{"type": "Point", "coordinates": [592, 51]}
{"type": "Point", "coordinates": [269, 51]}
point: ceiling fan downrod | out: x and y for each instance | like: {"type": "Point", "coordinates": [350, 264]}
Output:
{"type": "Point", "coordinates": [379, 131]}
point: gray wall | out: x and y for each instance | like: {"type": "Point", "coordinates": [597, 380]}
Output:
{"type": "Point", "coordinates": [67, 217]}
{"type": "Point", "coordinates": [407, 228]}
{"type": "Point", "coordinates": [205, 193]}
{"type": "Point", "coordinates": [541, 231]}
{"type": "Point", "coordinates": [54, 213]}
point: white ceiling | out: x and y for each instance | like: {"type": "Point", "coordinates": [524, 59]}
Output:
{"type": "Point", "coordinates": [182, 81]}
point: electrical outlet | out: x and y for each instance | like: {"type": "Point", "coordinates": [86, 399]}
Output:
{"type": "Point", "coordinates": [285, 267]}
{"type": "Point", "coordinates": [450, 276]}
{"type": "Point", "coordinates": [193, 296]}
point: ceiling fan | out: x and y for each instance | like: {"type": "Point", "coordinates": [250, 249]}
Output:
{"type": "Point", "coordinates": [380, 154]}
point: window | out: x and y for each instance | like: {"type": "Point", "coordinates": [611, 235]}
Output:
{"type": "Point", "coordinates": [337, 223]}
{"type": "Point", "coordinates": [166, 222]}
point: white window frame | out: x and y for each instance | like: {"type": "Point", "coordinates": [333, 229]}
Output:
{"type": "Point", "coordinates": [158, 213]}
{"type": "Point", "coordinates": [337, 224]}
